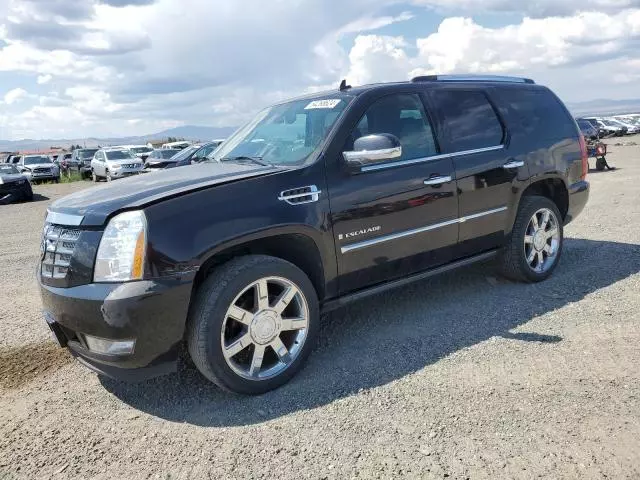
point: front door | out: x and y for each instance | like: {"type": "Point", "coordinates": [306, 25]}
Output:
{"type": "Point", "coordinates": [395, 218]}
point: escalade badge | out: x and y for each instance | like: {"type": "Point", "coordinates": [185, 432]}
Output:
{"type": "Point", "coordinates": [358, 233]}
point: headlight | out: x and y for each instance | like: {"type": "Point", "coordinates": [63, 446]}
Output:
{"type": "Point", "coordinates": [115, 166]}
{"type": "Point", "coordinates": [122, 249]}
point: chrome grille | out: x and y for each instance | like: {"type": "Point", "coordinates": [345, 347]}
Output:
{"type": "Point", "coordinates": [42, 170]}
{"type": "Point", "coordinates": [58, 245]}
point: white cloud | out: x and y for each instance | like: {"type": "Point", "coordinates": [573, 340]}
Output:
{"type": "Point", "coordinates": [15, 95]}
{"type": "Point", "coordinates": [42, 79]}
{"type": "Point", "coordinates": [132, 66]}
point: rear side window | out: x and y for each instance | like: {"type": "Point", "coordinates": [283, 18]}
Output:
{"type": "Point", "coordinates": [470, 120]}
{"type": "Point", "coordinates": [537, 113]}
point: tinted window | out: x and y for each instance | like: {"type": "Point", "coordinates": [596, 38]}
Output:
{"type": "Point", "coordinates": [86, 154]}
{"type": "Point", "coordinates": [36, 160]}
{"type": "Point", "coordinates": [403, 116]}
{"type": "Point", "coordinates": [537, 113]}
{"type": "Point", "coordinates": [470, 120]}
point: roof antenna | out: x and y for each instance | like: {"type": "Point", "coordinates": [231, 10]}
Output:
{"type": "Point", "coordinates": [344, 86]}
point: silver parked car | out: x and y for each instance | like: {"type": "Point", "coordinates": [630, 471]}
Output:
{"type": "Point", "coordinates": [113, 163]}
{"type": "Point", "coordinates": [38, 167]}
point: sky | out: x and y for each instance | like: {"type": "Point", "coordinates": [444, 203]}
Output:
{"type": "Point", "coordinates": [87, 68]}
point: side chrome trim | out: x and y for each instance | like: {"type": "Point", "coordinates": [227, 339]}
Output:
{"type": "Point", "coordinates": [64, 218]}
{"type": "Point", "coordinates": [373, 155]}
{"type": "Point", "coordinates": [407, 233]}
{"type": "Point", "coordinates": [402, 163]}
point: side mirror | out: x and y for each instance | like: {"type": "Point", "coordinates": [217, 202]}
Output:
{"type": "Point", "coordinates": [371, 150]}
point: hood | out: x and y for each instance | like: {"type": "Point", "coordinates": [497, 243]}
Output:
{"type": "Point", "coordinates": [38, 165]}
{"type": "Point", "coordinates": [96, 204]}
{"type": "Point", "coordinates": [11, 177]}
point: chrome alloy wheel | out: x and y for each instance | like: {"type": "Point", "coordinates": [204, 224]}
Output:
{"type": "Point", "coordinates": [265, 328]}
{"type": "Point", "coordinates": [542, 240]}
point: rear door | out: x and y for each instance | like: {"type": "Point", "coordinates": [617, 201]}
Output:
{"type": "Point", "coordinates": [486, 169]}
{"type": "Point", "coordinates": [395, 218]}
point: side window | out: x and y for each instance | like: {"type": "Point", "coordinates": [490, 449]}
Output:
{"type": "Point", "coordinates": [401, 115]}
{"type": "Point", "coordinates": [537, 113]}
{"type": "Point", "coordinates": [470, 120]}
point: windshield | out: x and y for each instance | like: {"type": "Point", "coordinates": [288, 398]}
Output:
{"type": "Point", "coordinates": [165, 153]}
{"type": "Point", "coordinates": [183, 154]}
{"type": "Point", "coordinates": [611, 123]}
{"type": "Point", "coordinates": [8, 169]}
{"type": "Point", "coordinates": [285, 134]}
{"type": "Point", "coordinates": [141, 149]}
{"type": "Point", "coordinates": [118, 155]}
{"type": "Point", "coordinates": [85, 154]}
{"type": "Point", "coordinates": [36, 160]}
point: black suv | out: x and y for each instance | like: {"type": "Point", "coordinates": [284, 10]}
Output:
{"type": "Point", "coordinates": [81, 161]}
{"type": "Point", "coordinates": [317, 202]}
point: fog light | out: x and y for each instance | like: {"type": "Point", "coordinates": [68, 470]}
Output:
{"type": "Point", "coordinates": [109, 347]}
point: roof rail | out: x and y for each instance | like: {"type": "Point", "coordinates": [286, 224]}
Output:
{"type": "Point", "coordinates": [471, 78]}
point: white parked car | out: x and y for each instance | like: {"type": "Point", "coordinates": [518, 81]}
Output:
{"type": "Point", "coordinates": [113, 163]}
{"type": "Point", "coordinates": [38, 167]}
{"type": "Point", "coordinates": [140, 151]}
{"type": "Point", "coordinates": [632, 127]}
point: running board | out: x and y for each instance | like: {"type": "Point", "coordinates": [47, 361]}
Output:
{"type": "Point", "coordinates": [377, 289]}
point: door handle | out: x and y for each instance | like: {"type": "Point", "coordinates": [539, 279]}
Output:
{"type": "Point", "coordinates": [437, 180]}
{"type": "Point", "coordinates": [513, 164]}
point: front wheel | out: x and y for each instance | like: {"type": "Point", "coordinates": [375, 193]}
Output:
{"type": "Point", "coordinates": [253, 324]}
{"type": "Point", "coordinates": [94, 177]}
{"type": "Point", "coordinates": [535, 244]}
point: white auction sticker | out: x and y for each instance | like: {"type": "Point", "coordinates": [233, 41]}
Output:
{"type": "Point", "coordinates": [323, 104]}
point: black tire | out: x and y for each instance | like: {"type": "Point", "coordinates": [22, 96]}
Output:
{"type": "Point", "coordinates": [601, 164]}
{"type": "Point", "coordinates": [108, 176]}
{"type": "Point", "coordinates": [94, 177]}
{"type": "Point", "coordinates": [208, 311]}
{"type": "Point", "coordinates": [513, 262]}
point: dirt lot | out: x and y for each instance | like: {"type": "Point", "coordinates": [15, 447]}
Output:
{"type": "Point", "coordinates": [465, 376]}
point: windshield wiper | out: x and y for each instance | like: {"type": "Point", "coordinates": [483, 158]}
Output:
{"type": "Point", "coordinates": [257, 160]}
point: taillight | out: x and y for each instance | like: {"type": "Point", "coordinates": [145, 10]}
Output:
{"type": "Point", "coordinates": [585, 157]}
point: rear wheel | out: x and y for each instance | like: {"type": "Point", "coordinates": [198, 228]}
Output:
{"type": "Point", "coordinates": [253, 324]}
{"type": "Point", "coordinates": [535, 244]}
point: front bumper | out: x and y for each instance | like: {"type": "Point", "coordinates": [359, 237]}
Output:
{"type": "Point", "coordinates": [153, 312]}
{"type": "Point", "coordinates": [34, 177]}
{"type": "Point", "coordinates": [578, 197]}
{"type": "Point", "coordinates": [121, 172]}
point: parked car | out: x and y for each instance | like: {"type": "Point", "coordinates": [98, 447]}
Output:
{"type": "Point", "coordinates": [588, 130]}
{"type": "Point", "coordinates": [632, 128]}
{"type": "Point", "coordinates": [6, 156]}
{"type": "Point", "coordinates": [140, 151]}
{"type": "Point", "coordinates": [160, 158]}
{"type": "Point", "coordinates": [67, 157]}
{"type": "Point", "coordinates": [607, 128]}
{"type": "Point", "coordinates": [193, 154]}
{"type": "Point", "coordinates": [39, 168]}
{"type": "Point", "coordinates": [14, 159]}
{"type": "Point", "coordinates": [81, 160]}
{"type": "Point", "coordinates": [114, 163]}
{"type": "Point", "coordinates": [177, 145]}
{"type": "Point", "coordinates": [319, 201]}
{"type": "Point", "coordinates": [14, 185]}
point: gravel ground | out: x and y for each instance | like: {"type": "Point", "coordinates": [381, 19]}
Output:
{"type": "Point", "coordinates": [464, 376]}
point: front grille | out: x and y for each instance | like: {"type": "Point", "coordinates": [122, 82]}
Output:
{"type": "Point", "coordinates": [42, 170]}
{"type": "Point", "coordinates": [58, 245]}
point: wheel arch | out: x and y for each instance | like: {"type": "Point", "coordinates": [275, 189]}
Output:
{"type": "Point", "coordinates": [291, 243]}
{"type": "Point", "coordinates": [552, 187]}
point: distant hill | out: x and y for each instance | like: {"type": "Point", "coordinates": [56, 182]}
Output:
{"type": "Point", "coordinates": [188, 132]}
{"type": "Point", "coordinates": [605, 107]}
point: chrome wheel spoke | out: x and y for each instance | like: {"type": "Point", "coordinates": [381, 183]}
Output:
{"type": "Point", "coordinates": [281, 350]}
{"type": "Point", "coordinates": [256, 361]}
{"type": "Point", "coordinates": [548, 250]}
{"type": "Point", "coordinates": [236, 347]}
{"type": "Point", "coordinates": [531, 257]}
{"type": "Point", "coordinates": [540, 264]}
{"type": "Point", "coordinates": [262, 294]}
{"type": "Point", "coordinates": [534, 222]}
{"type": "Point", "coordinates": [285, 298]}
{"type": "Point", "coordinates": [240, 315]}
{"type": "Point", "coordinates": [528, 239]}
{"type": "Point", "coordinates": [297, 323]}
{"type": "Point", "coordinates": [551, 233]}
{"type": "Point", "coordinates": [545, 219]}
